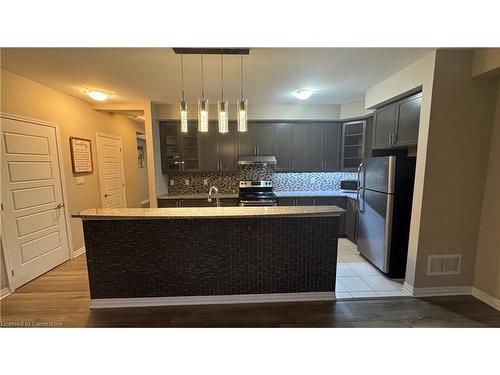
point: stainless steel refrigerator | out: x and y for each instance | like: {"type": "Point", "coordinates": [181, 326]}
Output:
{"type": "Point", "coordinates": [384, 198]}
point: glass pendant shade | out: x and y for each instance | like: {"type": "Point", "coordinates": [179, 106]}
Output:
{"type": "Point", "coordinates": [242, 113]}
{"type": "Point", "coordinates": [203, 115]}
{"type": "Point", "coordinates": [223, 113]}
{"type": "Point", "coordinates": [184, 117]}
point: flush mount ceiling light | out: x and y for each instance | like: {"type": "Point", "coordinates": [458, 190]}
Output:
{"type": "Point", "coordinates": [97, 95]}
{"type": "Point", "coordinates": [303, 94]}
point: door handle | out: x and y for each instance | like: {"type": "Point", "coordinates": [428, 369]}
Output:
{"type": "Point", "coordinates": [106, 195]}
{"type": "Point", "coordinates": [59, 206]}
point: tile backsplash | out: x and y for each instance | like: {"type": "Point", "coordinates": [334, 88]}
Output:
{"type": "Point", "coordinates": [310, 181]}
{"type": "Point", "coordinates": [227, 182]}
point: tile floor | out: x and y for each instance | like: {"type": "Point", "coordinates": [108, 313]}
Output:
{"type": "Point", "coordinates": [357, 278]}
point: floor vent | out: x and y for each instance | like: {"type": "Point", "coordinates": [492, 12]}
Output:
{"type": "Point", "coordinates": [444, 264]}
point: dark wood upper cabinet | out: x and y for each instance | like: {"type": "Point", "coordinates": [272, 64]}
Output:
{"type": "Point", "coordinates": [246, 141]}
{"type": "Point", "coordinates": [210, 149]}
{"type": "Point", "coordinates": [179, 151]}
{"type": "Point", "coordinates": [314, 155]}
{"type": "Point", "coordinates": [264, 139]}
{"type": "Point", "coordinates": [368, 136]}
{"type": "Point", "coordinates": [299, 147]}
{"type": "Point", "coordinates": [228, 152]}
{"type": "Point", "coordinates": [331, 147]}
{"type": "Point", "coordinates": [396, 125]}
{"type": "Point", "coordinates": [283, 148]}
{"type": "Point", "coordinates": [385, 126]}
{"type": "Point", "coordinates": [353, 144]}
{"type": "Point", "coordinates": [408, 121]}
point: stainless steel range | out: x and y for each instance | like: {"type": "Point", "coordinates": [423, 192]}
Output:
{"type": "Point", "coordinates": [257, 193]}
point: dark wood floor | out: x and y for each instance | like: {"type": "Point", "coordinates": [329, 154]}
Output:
{"type": "Point", "coordinates": [61, 298]}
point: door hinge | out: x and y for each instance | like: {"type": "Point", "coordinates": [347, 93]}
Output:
{"type": "Point", "coordinates": [12, 272]}
{"type": "Point", "coordinates": [1, 204]}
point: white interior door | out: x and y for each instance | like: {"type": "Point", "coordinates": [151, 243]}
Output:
{"type": "Point", "coordinates": [111, 176]}
{"type": "Point", "coordinates": [33, 217]}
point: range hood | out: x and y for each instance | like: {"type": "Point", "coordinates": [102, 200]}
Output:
{"type": "Point", "coordinates": [256, 160]}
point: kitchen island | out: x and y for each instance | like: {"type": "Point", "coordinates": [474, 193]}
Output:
{"type": "Point", "coordinates": [177, 256]}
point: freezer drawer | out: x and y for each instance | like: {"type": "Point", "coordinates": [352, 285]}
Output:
{"type": "Point", "coordinates": [374, 227]}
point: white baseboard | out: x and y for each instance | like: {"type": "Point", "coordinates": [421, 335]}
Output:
{"type": "Point", "coordinates": [486, 298]}
{"type": "Point", "coordinates": [78, 252]}
{"type": "Point", "coordinates": [4, 293]}
{"type": "Point", "coordinates": [437, 291]}
{"type": "Point", "coordinates": [104, 303]}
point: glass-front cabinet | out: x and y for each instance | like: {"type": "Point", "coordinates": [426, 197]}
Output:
{"type": "Point", "coordinates": [180, 151]}
{"type": "Point", "coordinates": [353, 144]}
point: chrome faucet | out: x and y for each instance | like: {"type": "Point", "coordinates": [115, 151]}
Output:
{"type": "Point", "coordinates": [216, 191]}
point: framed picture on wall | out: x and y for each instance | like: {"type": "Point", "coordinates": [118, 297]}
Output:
{"type": "Point", "coordinates": [81, 155]}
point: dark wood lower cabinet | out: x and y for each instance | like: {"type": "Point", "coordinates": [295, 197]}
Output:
{"type": "Point", "coordinates": [351, 219]}
{"type": "Point", "coordinates": [197, 202]}
{"type": "Point", "coordinates": [167, 203]}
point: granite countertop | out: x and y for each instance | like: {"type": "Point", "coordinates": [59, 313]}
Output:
{"type": "Point", "coordinates": [207, 212]}
{"type": "Point", "coordinates": [279, 194]}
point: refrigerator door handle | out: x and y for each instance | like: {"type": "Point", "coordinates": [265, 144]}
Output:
{"type": "Point", "coordinates": [358, 207]}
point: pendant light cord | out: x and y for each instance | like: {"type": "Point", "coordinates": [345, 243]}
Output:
{"type": "Point", "coordinates": [241, 75]}
{"type": "Point", "coordinates": [202, 87]}
{"type": "Point", "coordinates": [222, 74]}
{"type": "Point", "coordinates": [182, 77]}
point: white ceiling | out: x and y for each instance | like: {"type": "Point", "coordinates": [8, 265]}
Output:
{"type": "Point", "coordinates": [337, 75]}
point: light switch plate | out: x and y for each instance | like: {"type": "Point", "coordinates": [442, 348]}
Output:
{"type": "Point", "coordinates": [205, 181]}
{"type": "Point", "coordinates": [186, 182]}
{"type": "Point", "coordinates": [80, 180]}
{"type": "Point", "coordinates": [171, 182]}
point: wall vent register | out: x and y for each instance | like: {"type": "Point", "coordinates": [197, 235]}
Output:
{"type": "Point", "coordinates": [444, 264]}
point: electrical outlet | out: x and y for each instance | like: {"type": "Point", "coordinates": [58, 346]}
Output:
{"type": "Point", "coordinates": [171, 182]}
{"type": "Point", "coordinates": [186, 182]}
{"type": "Point", "coordinates": [205, 181]}
{"type": "Point", "coordinates": [80, 180]}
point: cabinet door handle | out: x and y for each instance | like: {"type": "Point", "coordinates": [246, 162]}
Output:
{"type": "Point", "coordinates": [394, 138]}
{"type": "Point", "coordinates": [390, 139]}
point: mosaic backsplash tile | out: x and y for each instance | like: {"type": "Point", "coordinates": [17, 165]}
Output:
{"type": "Point", "coordinates": [228, 182]}
{"type": "Point", "coordinates": [310, 181]}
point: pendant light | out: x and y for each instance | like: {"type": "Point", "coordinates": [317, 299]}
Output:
{"type": "Point", "coordinates": [242, 106]}
{"type": "Point", "coordinates": [222, 107]}
{"type": "Point", "coordinates": [202, 106]}
{"type": "Point", "coordinates": [182, 104]}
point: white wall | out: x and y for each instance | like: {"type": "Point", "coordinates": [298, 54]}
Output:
{"type": "Point", "coordinates": [258, 112]}
{"type": "Point", "coordinates": [354, 109]}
